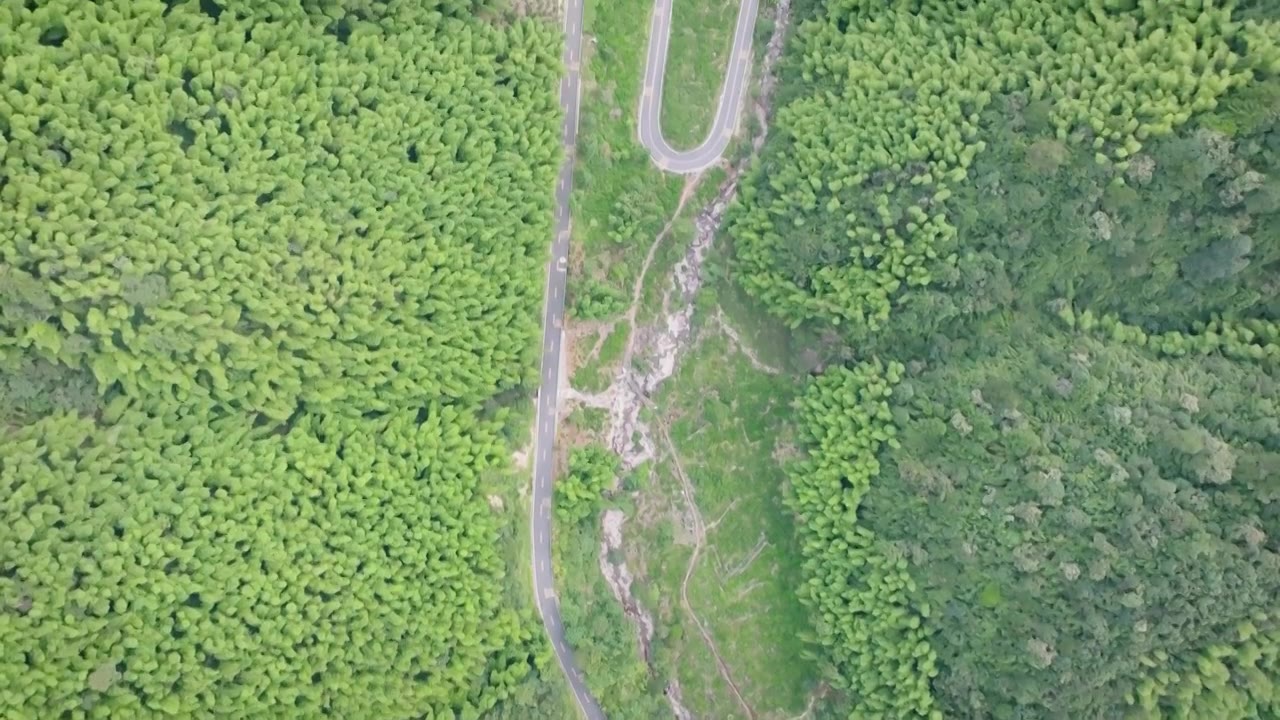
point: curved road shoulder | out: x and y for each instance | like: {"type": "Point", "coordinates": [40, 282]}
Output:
{"type": "Point", "coordinates": [731, 93]}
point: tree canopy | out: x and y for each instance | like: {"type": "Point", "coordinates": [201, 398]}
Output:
{"type": "Point", "coordinates": [852, 204]}
{"type": "Point", "coordinates": [1039, 241]}
{"type": "Point", "coordinates": [267, 272]}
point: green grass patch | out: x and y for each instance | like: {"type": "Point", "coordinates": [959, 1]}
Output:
{"type": "Point", "coordinates": [592, 377]}
{"type": "Point", "coordinates": [614, 345]}
{"type": "Point", "coordinates": [680, 651]}
{"type": "Point", "coordinates": [596, 373]}
{"type": "Point", "coordinates": [725, 419]}
{"type": "Point", "coordinates": [774, 344]}
{"type": "Point", "coordinates": [658, 279]}
{"type": "Point", "coordinates": [588, 418]}
{"type": "Point", "coordinates": [726, 438]}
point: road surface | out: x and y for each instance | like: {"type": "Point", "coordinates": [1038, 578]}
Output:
{"type": "Point", "coordinates": [552, 331]}
{"type": "Point", "coordinates": [727, 112]}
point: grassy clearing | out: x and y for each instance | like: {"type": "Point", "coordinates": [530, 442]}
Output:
{"type": "Point", "coordinates": [598, 367]}
{"type": "Point", "coordinates": [620, 201]}
{"type": "Point", "coordinates": [588, 419]}
{"type": "Point", "coordinates": [725, 418]}
{"type": "Point", "coordinates": [665, 546]}
{"type": "Point", "coordinates": [613, 346]}
{"type": "Point", "coordinates": [746, 588]}
{"type": "Point", "coordinates": [701, 40]}
{"type": "Point", "coordinates": [727, 421]}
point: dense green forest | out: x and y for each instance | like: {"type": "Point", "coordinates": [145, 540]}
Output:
{"type": "Point", "coordinates": [269, 272]}
{"type": "Point", "coordinates": [1038, 246]}
{"type": "Point", "coordinates": [856, 200]}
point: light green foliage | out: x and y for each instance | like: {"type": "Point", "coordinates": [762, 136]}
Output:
{"type": "Point", "coordinates": [267, 275]}
{"type": "Point", "coordinates": [218, 568]}
{"type": "Point", "coordinates": [1251, 339]}
{"type": "Point", "coordinates": [849, 206]}
{"type": "Point", "coordinates": [876, 644]}
{"type": "Point", "coordinates": [592, 470]}
{"type": "Point", "coordinates": [1235, 680]}
{"type": "Point", "coordinates": [281, 219]}
{"type": "Point", "coordinates": [594, 300]}
{"type": "Point", "coordinates": [632, 215]}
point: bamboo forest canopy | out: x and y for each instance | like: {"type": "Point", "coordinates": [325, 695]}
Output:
{"type": "Point", "coordinates": [266, 269]}
{"type": "Point", "coordinates": [853, 205]}
{"type": "Point", "coordinates": [1041, 243]}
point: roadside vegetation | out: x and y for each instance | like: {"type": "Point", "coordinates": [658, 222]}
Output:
{"type": "Point", "coordinates": [604, 641]}
{"type": "Point", "coordinates": [724, 418]}
{"type": "Point", "coordinates": [543, 692]}
{"type": "Point", "coordinates": [270, 286]}
{"type": "Point", "coordinates": [620, 200]}
{"type": "Point", "coordinates": [697, 57]}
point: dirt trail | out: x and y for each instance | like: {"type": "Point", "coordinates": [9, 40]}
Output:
{"type": "Point", "coordinates": [818, 693]}
{"type": "Point", "coordinates": [699, 541]}
{"type": "Point", "coordinates": [742, 347]}
{"type": "Point", "coordinates": [675, 696]}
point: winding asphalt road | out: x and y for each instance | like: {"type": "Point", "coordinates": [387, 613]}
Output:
{"type": "Point", "coordinates": [544, 584]}
{"type": "Point", "coordinates": [727, 112]}
{"type": "Point", "coordinates": [553, 312]}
